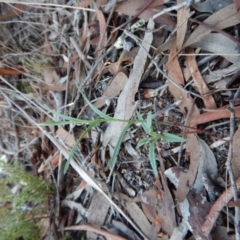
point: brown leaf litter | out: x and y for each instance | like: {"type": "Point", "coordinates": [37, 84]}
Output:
{"type": "Point", "coordinates": [178, 60]}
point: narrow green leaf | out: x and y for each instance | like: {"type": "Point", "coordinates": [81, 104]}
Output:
{"type": "Point", "coordinates": [169, 137]}
{"type": "Point", "coordinates": [152, 158]}
{"type": "Point", "coordinates": [143, 141]}
{"type": "Point", "coordinates": [143, 123]}
{"type": "Point", "coordinates": [76, 144]}
{"type": "Point", "coordinates": [57, 123]}
{"type": "Point", "coordinates": [149, 121]}
{"type": "Point", "coordinates": [112, 162]}
{"type": "Point", "coordinates": [97, 111]}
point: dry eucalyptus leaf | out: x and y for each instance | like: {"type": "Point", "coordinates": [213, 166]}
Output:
{"type": "Point", "coordinates": [219, 44]}
{"type": "Point", "coordinates": [50, 75]}
{"type": "Point", "coordinates": [199, 208]}
{"type": "Point", "coordinates": [182, 24]}
{"type": "Point", "coordinates": [97, 212]}
{"type": "Point", "coordinates": [66, 137]}
{"type": "Point", "coordinates": [139, 218]}
{"type": "Point", "coordinates": [133, 7]}
{"type": "Point", "coordinates": [211, 5]}
{"type": "Point", "coordinates": [236, 154]}
{"type": "Point", "coordinates": [208, 100]}
{"type": "Point", "coordinates": [113, 90]}
{"type": "Point", "coordinates": [221, 19]}
{"type": "Point", "coordinates": [126, 102]}
{"type": "Point", "coordinates": [221, 73]}
{"type": "Point", "coordinates": [175, 73]}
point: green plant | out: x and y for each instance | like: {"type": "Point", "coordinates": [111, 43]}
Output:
{"type": "Point", "coordinates": [153, 137]}
{"type": "Point", "coordinates": [18, 209]}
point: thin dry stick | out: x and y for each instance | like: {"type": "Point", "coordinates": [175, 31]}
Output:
{"type": "Point", "coordinates": [87, 227]}
{"type": "Point", "coordinates": [166, 10]}
{"type": "Point", "coordinates": [217, 207]}
{"type": "Point", "coordinates": [113, 5]}
{"type": "Point", "coordinates": [48, 5]}
{"type": "Point", "coordinates": [80, 53]}
{"type": "Point", "coordinates": [97, 61]}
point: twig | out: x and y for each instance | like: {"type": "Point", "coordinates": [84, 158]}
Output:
{"type": "Point", "coordinates": [166, 10]}
{"type": "Point", "coordinates": [87, 227]}
{"type": "Point", "coordinates": [48, 5]}
{"type": "Point", "coordinates": [217, 207]}
{"type": "Point", "coordinates": [111, 5]}
{"type": "Point", "coordinates": [80, 53]}
{"type": "Point", "coordinates": [91, 72]}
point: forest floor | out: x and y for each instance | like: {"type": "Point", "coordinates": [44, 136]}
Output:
{"type": "Point", "coordinates": [125, 113]}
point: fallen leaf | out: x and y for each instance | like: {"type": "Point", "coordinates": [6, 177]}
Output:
{"type": "Point", "coordinates": [56, 88]}
{"type": "Point", "coordinates": [97, 212]}
{"type": "Point", "coordinates": [182, 23]}
{"type": "Point", "coordinates": [234, 203]}
{"type": "Point", "coordinates": [116, 85]}
{"type": "Point", "coordinates": [89, 228]}
{"type": "Point", "coordinates": [66, 137]}
{"type": "Point", "coordinates": [175, 73]}
{"type": "Point", "coordinates": [221, 19]}
{"type": "Point", "coordinates": [165, 206]}
{"type": "Point", "coordinates": [221, 73]}
{"type": "Point", "coordinates": [237, 3]}
{"type": "Point", "coordinates": [199, 208]}
{"type": "Point", "coordinates": [84, 3]}
{"type": "Point", "coordinates": [44, 225]}
{"type": "Point", "coordinates": [187, 179]}
{"type": "Point", "coordinates": [219, 44]}
{"type": "Point", "coordinates": [165, 46]}
{"type": "Point", "coordinates": [50, 162]}
{"type": "Point", "coordinates": [82, 212]}
{"type": "Point", "coordinates": [133, 7]}
{"type": "Point", "coordinates": [102, 31]}
{"type": "Point", "coordinates": [126, 101]}
{"type": "Point", "coordinates": [211, 5]}
{"type": "Point", "coordinates": [122, 227]}
{"type": "Point", "coordinates": [139, 218]}
{"type": "Point", "coordinates": [148, 201]}
{"type": "Point", "coordinates": [50, 74]}
{"type": "Point", "coordinates": [201, 157]}
{"type": "Point", "coordinates": [10, 72]}
{"type": "Point", "coordinates": [236, 154]}
{"type": "Point", "coordinates": [199, 81]}
{"type": "Point", "coordinates": [219, 113]}
{"type": "Point", "coordinates": [207, 166]}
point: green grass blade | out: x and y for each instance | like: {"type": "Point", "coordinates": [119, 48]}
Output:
{"type": "Point", "coordinates": [149, 121]}
{"type": "Point", "coordinates": [169, 137]}
{"type": "Point", "coordinates": [143, 123]}
{"type": "Point", "coordinates": [57, 123]}
{"type": "Point", "coordinates": [152, 158]}
{"type": "Point", "coordinates": [112, 162]}
{"type": "Point", "coordinates": [97, 111]}
{"type": "Point", "coordinates": [76, 144]}
{"type": "Point", "coordinates": [143, 141]}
